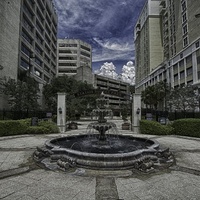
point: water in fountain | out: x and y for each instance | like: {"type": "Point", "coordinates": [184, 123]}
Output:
{"type": "Point", "coordinates": [101, 147]}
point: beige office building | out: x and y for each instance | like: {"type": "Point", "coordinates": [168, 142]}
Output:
{"type": "Point", "coordinates": [72, 55]}
{"type": "Point", "coordinates": [178, 27]}
{"type": "Point", "coordinates": [28, 40]}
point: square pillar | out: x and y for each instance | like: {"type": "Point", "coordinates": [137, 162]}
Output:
{"type": "Point", "coordinates": [61, 112]}
{"type": "Point", "coordinates": [136, 112]}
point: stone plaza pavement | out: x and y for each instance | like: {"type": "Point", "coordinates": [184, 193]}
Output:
{"type": "Point", "coordinates": [22, 179]}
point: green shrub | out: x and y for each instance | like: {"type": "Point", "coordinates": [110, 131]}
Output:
{"type": "Point", "coordinates": [37, 130]}
{"type": "Point", "coordinates": [51, 126]}
{"type": "Point", "coordinates": [12, 127]}
{"type": "Point", "coordinates": [154, 128]}
{"type": "Point", "coordinates": [187, 127]}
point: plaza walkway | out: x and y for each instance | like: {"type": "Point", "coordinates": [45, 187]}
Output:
{"type": "Point", "coordinates": [21, 179]}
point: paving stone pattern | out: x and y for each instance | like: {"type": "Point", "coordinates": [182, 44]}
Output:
{"type": "Point", "coordinates": [21, 179]}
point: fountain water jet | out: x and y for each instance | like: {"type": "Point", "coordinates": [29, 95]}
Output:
{"type": "Point", "coordinates": [103, 150]}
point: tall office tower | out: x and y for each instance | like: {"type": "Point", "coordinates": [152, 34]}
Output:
{"type": "Point", "coordinates": [74, 58]}
{"type": "Point", "coordinates": [28, 40]}
{"type": "Point", "coordinates": [178, 27]}
{"type": "Point", "coordinates": [148, 43]}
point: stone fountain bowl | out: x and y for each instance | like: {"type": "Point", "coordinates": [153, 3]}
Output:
{"type": "Point", "coordinates": [117, 152]}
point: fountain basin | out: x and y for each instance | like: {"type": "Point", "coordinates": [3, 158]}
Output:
{"type": "Point", "coordinates": [118, 152]}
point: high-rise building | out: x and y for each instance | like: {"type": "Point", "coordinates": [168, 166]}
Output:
{"type": "Point", "coordinates": [180, 40]}
{"type": "Point", "coordinates": [28, 40]}
{"type": "Point", "coordinates": [148, 43]}
{"type": "Point", "coordinates": [73, 54]}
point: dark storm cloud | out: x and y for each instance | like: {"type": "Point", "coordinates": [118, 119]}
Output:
{"type": "Point", "coordinates": [106, 25]}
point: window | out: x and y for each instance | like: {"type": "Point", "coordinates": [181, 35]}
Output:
{"type": "Point", "coordinates": [39, 16]}
{"type": "Point", "coordinates": [189, 71]}
{"type": "Point", "coordinates": [46, 68]}
{"type": "Point", "coordinates": [175, 67]}
{"type": "Point", "coordinates": [27, 37]}
{"type": "Point", "coordinates": [27, 24]}
{"type": "Point", "coordinates": [198, 60]}
{"type": "Point", "coordinates": [39, 39]}
{"type": "Point", "coordinates": [67, 45]}
{"type": "Point", "coordinates": [184, 18]}
{"type": "Point", "coordinates": [67, 71]}
{"type": "Point", "coordinates": [27, 11]}
{"type": "Point", "coordinates": [67, 64]}
{"type": "Point", "coordinates": [189, 59]}
{"type": "Point", "coordinates": [185, 29]}
{"type": "Point", "coordinates": [199, 76]}
{"type": "Point", "coordinates": [197, 44]}
{"type": "Point", "coordinates": [185, 41]}
{"type": "Point", "coordinates": [176, 77]}
{"type": "Point", "coordinates": [181, 63]}
{"type": "Point", "coordinates": [85, 54]}
{"type": "Point", "coordinates": [39, 28]}
{"type": "Point", "coordinates": [38, 61]}
{"type": "Point", "coordinates": [38, 50]}
{"type": "Point", "coordinates": [85, 48]}
{"type": "Point", "coordinates": [24, 63]}
{"type": "Point", "coordinates": [182, 74]}
{"type": "Point", "coordinates": [25, 50]}
{"type": "Point", "coordinates": [46, 58]}
{"type": "Point", "coordinates": [46, 79]}
{"type": "Point", "coordinates": [183, 6]}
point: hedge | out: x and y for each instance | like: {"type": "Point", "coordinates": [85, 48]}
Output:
{"type": "Point", "coordinates": [154, 128]}
{"type": "Point", "coordinates": [12, 127]}
{"type": "Point", "coordinates": [37, 130]}
{"type": "Point", "coordinates": [50, 126]}
{"type": "Point", "coordinates": [187, 127]}
{"type": "Point", "coordinates": [18, 127]}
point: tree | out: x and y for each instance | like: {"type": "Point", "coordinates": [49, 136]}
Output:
{"type": "Point", "coordinates": [75, 105]}
{"type": "Point", "coordinates": [22, 96]}
{"type": "Point", "coordinates": [155, 94]}
{"type": "Point", "coordinates": [183, 98]}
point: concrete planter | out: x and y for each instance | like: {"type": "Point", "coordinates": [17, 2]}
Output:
{"type": "Point", "coordinates": [125, 126]}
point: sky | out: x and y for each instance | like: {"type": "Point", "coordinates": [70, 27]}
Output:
{"type": "Point", "coordinates": [107, 25]}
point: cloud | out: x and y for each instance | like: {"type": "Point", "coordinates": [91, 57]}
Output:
{"type": "Point", "coordinates": [106, 25]}
{"type": "Point", "coordinates": [127, 75]}
{"type": "Point", "coordinates": [116, 45]}
{"type": "Point", "coordinates": [108, 69]}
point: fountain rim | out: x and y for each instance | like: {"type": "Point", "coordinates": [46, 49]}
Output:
{"type": "Point", "coordinates": [55, 148]}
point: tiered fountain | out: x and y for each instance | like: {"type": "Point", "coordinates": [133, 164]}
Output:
{"type": "Point", "coordinates": [103, 148]}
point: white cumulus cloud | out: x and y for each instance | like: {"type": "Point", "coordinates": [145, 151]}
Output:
{"type": "Point", "coordinates": [109, 70]}
{"type": "Point", "coordinates": [128, 73]}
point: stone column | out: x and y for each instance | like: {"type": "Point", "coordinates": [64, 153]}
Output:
{"type": "Point", "coordinates": [61, 112]}
{"type": "Point", "coordinates": [136, 112]}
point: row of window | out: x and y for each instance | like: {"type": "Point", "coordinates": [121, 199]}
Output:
{"type": "Point", "coordinates": [67, 51]}
{"type": "Point", "coordinates": [67, 45]}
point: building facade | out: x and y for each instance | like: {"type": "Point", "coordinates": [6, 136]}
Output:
{"type": "Point", "coordinates": [116, 91]}
{"type": "Point", "coordinates": [180, 43]}
{"type": "Point", "coordinates": [148, 43]}
{"type": "Point", "coordinates": [73, 54]}
{"type": "Point", "coordinates": [28, 40]}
